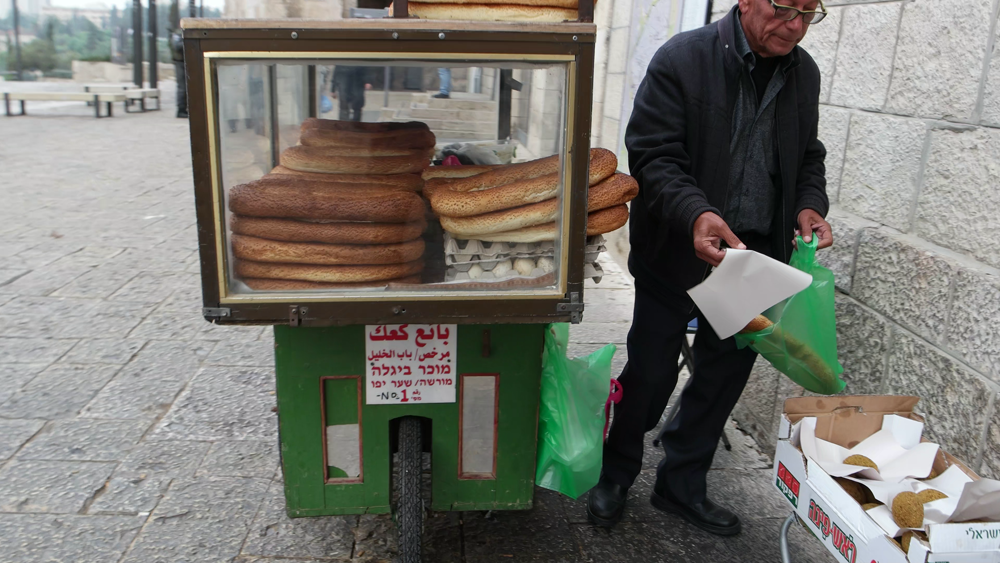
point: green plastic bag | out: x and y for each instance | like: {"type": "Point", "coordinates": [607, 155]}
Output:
{"type": "Point", "coordinates": [802, 343]}
{"type": "Point", "coordinates": [571, 415]}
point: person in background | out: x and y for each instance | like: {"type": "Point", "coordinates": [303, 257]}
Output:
{"type": "Point", "coordinates": [349, 85]}
{"type": "Point", "coordinates": [444, 91]}
{"type": "Point", "coordinates": [722, 141]}
{"type": "Point", "coordinates": [177, 54]}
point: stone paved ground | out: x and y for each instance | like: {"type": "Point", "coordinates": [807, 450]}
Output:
{"type": "Point", "coordinates": [133, 431]}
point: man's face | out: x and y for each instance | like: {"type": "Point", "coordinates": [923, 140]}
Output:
{"type": "Point", "coordinates": [769, 36]}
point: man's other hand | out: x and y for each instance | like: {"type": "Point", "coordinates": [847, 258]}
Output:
{"type": "Point", "coordinates": [812, 222]}
{"type": "Point", "coordinates": [709, 232]}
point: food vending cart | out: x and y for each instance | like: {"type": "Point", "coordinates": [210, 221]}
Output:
{"type": "Point", "coordinates": [409, 298]}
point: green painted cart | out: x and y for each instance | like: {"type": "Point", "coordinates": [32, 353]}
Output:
{"type": "Point", "coordinates": [400, 395]}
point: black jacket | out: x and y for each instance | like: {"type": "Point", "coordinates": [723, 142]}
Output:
{"type": "Point", "coordinates": [678, 149]}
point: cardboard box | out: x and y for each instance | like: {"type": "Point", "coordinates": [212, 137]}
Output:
{"type": "Point", "coordinates": [838, 520]}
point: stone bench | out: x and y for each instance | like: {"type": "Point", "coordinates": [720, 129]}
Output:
{"type": "Point", "coordinates": [140, 95]}
{"type": "Point", "coordinates": [96, 99]}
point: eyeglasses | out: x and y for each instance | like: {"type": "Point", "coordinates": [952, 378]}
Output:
{"type": "Point", "coordinates": [788, 13]}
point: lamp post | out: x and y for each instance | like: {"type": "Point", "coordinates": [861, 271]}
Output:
{"type": "Point", "coordinates": [137, 42]}
{"type": "Point", "coordinates": [154, 52]}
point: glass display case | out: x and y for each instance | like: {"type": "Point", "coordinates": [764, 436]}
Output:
{"type": "Point", "coordinates": [333, 186]}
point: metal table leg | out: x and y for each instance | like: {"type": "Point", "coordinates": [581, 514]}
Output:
{"type": "Point", "coordinates": [784, 538]}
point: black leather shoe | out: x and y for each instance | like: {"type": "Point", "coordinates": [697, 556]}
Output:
{"type": "Point", "coordinates": [706, 514]}
{"type": "Point", "coordinates": [606, 503]}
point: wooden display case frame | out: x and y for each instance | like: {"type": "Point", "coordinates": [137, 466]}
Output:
{"type": "Point", "coordinates": [208, 41]}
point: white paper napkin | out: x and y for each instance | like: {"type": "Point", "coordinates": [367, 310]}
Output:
{"type": "Point", "coordinates": [744, 285]}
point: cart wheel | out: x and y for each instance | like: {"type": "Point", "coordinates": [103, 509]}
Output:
{"type": "Point", "coordinates": [410, 508]}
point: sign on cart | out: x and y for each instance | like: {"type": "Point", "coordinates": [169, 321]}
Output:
{"type": "Point", "coordinates": [410, 364]}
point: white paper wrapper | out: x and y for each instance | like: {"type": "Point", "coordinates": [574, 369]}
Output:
{"type": "Point", "coordinates": [744, 285]}
{"type": "Point", "coordinates": [902, 458]}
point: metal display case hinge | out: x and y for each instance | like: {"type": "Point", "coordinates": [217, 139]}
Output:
{"type": "Point", "coordinates": [295, 314]}
{"type": "Point", "coordinates": [216, 312]}
{"type": "Point", "coordinates": [574, 307]}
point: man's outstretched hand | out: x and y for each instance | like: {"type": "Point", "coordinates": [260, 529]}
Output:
{"type": "Point", "coordinates": [812, 222]}
{"type": "Point", "coordinates": [709, 232]}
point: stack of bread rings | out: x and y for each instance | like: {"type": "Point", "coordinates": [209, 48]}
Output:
{"type": "Point", "coordinates": [518, 202]}
{"type": "Point", "coordinates": [342, 210]}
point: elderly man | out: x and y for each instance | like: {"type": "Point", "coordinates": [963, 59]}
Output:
{"type": "Point", "coordinates": [722, 140]}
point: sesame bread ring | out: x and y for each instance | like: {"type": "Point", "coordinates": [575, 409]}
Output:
{"type": "Point", "coordinates": [334, 125]}
{"type": "Point", "coordinates": [614, 191]}
{"type": "Point", "coordinates": [463, 171]}
{"type": "Point", "coordinates": [598, 223]}
{"type": "Point", "coordinates": [263, 284]}
{"type": "Point", "coordinates": [329, 274]}
{"type": "Point", "coordinates": [401, 139]}
{"type": "Point", "coordinates": [466, 204]}
{"type": "Point", "coordinates": [412, 182]}
{"type": "Point", "coordinates": [337, 232]}
{"type": "Point", "coordinates": [602, 158]}
{"type": "Point", "coordinates": [341, 160]}
{"type": "Point", "coordinates": [263, 250]}
{"type": "Point", "coordinates": [325, 201]}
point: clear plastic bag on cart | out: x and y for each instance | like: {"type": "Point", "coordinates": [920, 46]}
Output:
{"type": "Point", "coordinates": [571, 415]}
{"type": "Point", "coordinates": [802, 342]}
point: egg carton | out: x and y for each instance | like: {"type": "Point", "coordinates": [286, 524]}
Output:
{"type": "Point", "coordinates": [590, 270]}
{"type": "Point", "coordinates": [463, 262]}
{"type": "Point", "coordinates": [467, 248]}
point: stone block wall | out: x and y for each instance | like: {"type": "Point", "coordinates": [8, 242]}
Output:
{"type": "Point", "coordinates": [910, 117]}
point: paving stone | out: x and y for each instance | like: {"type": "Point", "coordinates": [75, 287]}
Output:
{"type": "Point", "coordinates": [176, 325]}
{"type": "Point", "coordinates": [34, 538]}
{"type": "Point", "coordinates": [599, 333]}
{"type": "Point", "coordinates": [98, 283]}
{"type": "Point", "coordinates": [442, 538]}
{"type": "Point", "coordinates": [47, 279]}
{"type": "Point", "coordinates": [50, 486]}
{"type": "Point", "coordinates": [199, 520]}
{"type": "Point", "coordinates": [671, 540]}
{"type": "Point", "coordinates": [273, 533]}
{"type": "Point", "coordinates": [953, 400]}
{"type": "Point", "coordinates": [223, 404]}
{"type": "Point", "coordinates": [960, 200]}
{"type": "Point", "coordinates": [85, 440]}
{"type": "Point", "coordinates": [15, 432]}
{"type": "Point", "coordinates": [864, 55]}
{"type": "Point", "coordinates": [833, 129]}
{"type": "Point", "coordinates": [758, 542]}
{"type": "Point", "coordinates": [897, 277]}
{"type": "Point", "coordinates": [881, 168]}
{"type": "Point", "coordinates": [32, 350]}
{"type": "Point", "coordinates": [147, 386]}
{"type": "Point", "coordinates": [130, 495]}
{"type": "Point", "coordinates": [821, 43]}
{"type": "Point", "coordinates": [539, 534]}
{"type": "Point", "coordinates": [165, 259]}
{"type": "Point", "coordinates": [13, 376]}
{"type": "Point", "coordinates": [750, 493]}
{"type": "Point", "coordinates": [114, 320]}
{"type": "Point", "coordinates": [862, 340]}
{"type": "Point", "coordinates": [939, 58]}
{"type": "Point", "coordinates": [144, 476]}
{"type": "Point", "coordinates": [243, 353]}
{"type": "Point", "coordinates": [152, 286]}
{"type": "Point", "coordinates": [103, 351]}
{"type": "Point", "coordinates": [241, 459]}
{"type": "Point", "coordinates": [375, 538]}
{"type": "Point", "coordinates": [58, 392]}
{"type": "Point", "coordinates": [975, 315]}
{"type": "Point", "coordinates": [839, 258]}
